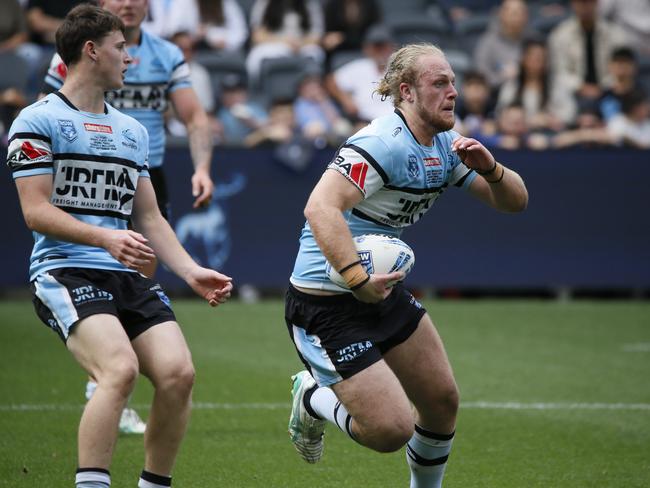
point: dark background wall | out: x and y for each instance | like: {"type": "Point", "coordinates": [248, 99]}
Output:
{"type": "Point", "coordinates": [587, 224]}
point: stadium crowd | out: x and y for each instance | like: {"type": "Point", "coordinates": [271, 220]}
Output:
{"type": "Point", "coordinates": [533, 74]}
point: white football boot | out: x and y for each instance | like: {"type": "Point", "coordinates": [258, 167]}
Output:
{"type": "Point", "coordinates": [131, 423]}
{"type": "Point", "coordinates": [306, 431]}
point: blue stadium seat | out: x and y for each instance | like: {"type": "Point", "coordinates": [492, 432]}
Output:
{"type": "Point", "coordinates": [279, 77]}
{"type": "Point", "coordinates": [220, 65]}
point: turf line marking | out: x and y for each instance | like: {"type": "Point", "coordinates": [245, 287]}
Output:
{"type": "Point", "coordinates": [636, 347]}
{"type": "Point", "coordinates": [477, 405]}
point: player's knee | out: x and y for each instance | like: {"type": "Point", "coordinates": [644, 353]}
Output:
{"type": "Point", "coordinates": [179, 378]}
{"type": "Point", "coordinates": [121, 375]}
{"type": "Point", "coordinates": [391, 436]}
{"type": "Point", "coordinates": [450, 400]}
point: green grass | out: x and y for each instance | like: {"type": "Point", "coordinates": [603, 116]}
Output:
{"type": "Point", "coordinates": [502, 351]}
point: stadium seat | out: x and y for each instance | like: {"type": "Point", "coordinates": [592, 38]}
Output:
{"type": "Point", "coordinates": [460, 62]}
{"type": "Point", "coordinates": [414, 28]}
{"type": "Point", "coordinates": [221, 64]}
{"type": "Point", "coordinates": [279, 77]}
{"type": "Point", "coordinates": [470, 29]}
{"type": "Point", "coordinates": [15, 72]}
{"type": "Point", "coordinates": [340, 58]}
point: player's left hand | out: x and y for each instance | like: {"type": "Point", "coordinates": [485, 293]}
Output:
{"type": "Point", "coordinates": [202, 188]}
{"type": "Point", "coordinates": [474, 154]}
{"type": "Point", "coordinates": [211, 285]}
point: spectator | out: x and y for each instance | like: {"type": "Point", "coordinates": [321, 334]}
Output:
{"type": "Point", "coordinates": [291, 148]}
{"type": "Point", "coordinates": [13, 27]}
{"type": "Point", "coordinates": [166, 17]}
{"type": "Point", "coordinates": [12, 101]}
{"type": "Point", "coordinates": [239, 116]}
{"type": "Point", "coordinates": [353, 84]}
{"type": "Point", "coordinates": [632, 126]}
{"type": "Point", "coordinates": [633, 17]}
{"type": "Point", "coordinates": [222, 25]}
{"type": "Point", "coordinates": [513, 131]}
{"type": "Point", "coordinates": [579, 49]}
{"type": "Point", "coordinates": [284, 28]}
{"type": "Point", "coordinates": [462, 9]}
{"type": "Point", "coordinates": [530, 88]}
{"type": "Point", "coordinates": [589, 131]}
{"type": "Point", "coordinates": [623, 70]}
{"type": "Point", "coordinates": [346, 24]}
{"type": "Point", "coordinates": [200, 80]}
{"type": "Point", "coordinates": [498, 51]}
{"type": "Point", "coordinates": [475, 108]}
{"type": "Point", "coordinates": [316, 115]}
{"type": "Point", "coordinates": [45, 16]}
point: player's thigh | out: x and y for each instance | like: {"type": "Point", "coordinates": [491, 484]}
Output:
{"type": "Point", "coordinates": [423, 369]}
{"type": "Point", "coordinates": [163, 353]}
{"type": "Point", "coordinates": [101, 346]}
{"type": "Point", "coordinates": [375, 399]}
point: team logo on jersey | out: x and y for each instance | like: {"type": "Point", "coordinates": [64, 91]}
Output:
{"type": "Point", "coordinates": [397, 131]}
{"type": "Point", "coordinates": [157, 66]}
{"type": "Point", "coordinates": [66, 127]}
{"type": "Point", "coordinates": [130, 140]}
{"type": "Point", "coordinates": [413, 167]}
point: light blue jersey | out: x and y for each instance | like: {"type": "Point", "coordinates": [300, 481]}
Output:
{"type": "Point", "coordinates": [399, 179]}
{"type": "Point", "coordinates": [95, 161]}
{"type": "Point", "coordinates": [158, 68]}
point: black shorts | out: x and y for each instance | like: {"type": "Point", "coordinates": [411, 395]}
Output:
{"type": "Point", "coordinates": [159, 184]}
{"type": "Point", "coordinates": [64, 296]}
{"type": "Point", "coordinates": [337, 336]}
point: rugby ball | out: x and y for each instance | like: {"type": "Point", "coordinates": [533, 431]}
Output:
{"type": "Point", "coordinates": [378, 254]}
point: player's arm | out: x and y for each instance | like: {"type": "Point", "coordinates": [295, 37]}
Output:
{"type": "Point", "coordinates": [332, 195]}
{"type": "Point", "coordinates": [214, 287]}
{"type": "Point", "coordinates": [497, 186]}
{"type": "Point", "coordinates": [128, 247]}
{"type": "Point", "coordinates": [189, 111]}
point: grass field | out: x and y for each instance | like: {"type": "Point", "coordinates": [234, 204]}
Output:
{"type": "Point", "coordinates": [553, 395]}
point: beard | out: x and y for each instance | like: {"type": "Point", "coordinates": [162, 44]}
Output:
{"type": "Point", "coordinates": [439, 122]}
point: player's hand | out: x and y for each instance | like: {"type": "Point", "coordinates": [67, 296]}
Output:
{"type": "Point", "coordinates": [211, 285]}
{"type": "Point", "coordinates": [202, 188]}
{"type": "Point", "coordinates": [474, 154]}
{"type": "Point", "coordinates": [128, 247]}
{"type": "Point", "coordinates": [378, 287]}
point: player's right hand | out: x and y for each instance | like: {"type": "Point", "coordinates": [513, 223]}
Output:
{"type": "Point", "coordinates": [378, 287]}
{"type": "Point", "coordinates": [129, 248]}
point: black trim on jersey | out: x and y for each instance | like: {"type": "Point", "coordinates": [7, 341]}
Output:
{"type": "Point", "coordinates": [401, 116]}
{"type": "Point", "coordinates": [460, 182]}
{"type": "Point", "coordinates": [141, 83]}
{"type": "Point", "coordinates": [417, 191]}
{"type": "Point", "coordinates": [424, 461]}
{"type": "Point", "coordinates": [30, 135]}
{"type": "Point", "coordinates": [361, 215]}
{"type": "Point", "coordinates": [371, 160]}
{"type": "Point", "coordinates": [433, 435]}
{"type": "Point", "coordinates": [99, 159]}
{"type": "Point", "coordinates": [179, 64]}
{"type": "Point", "coordinates": [99, 213]}
{"type": "Point", "coordinates": [71, 105]}
{"type": "Point", "coordinates": [27, 167]}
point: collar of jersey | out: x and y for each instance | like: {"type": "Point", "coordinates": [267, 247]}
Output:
{"type": "Point", "coordinates": [71, 105]}
{"type": "Point", "coordinates": [401, 116]}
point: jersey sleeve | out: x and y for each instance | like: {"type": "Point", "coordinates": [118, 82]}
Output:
{"type": "Point", "coordinates": [55, 75]}
{"type": "Point", "coordinates": [365, 162]}
{"type": "Point", "coordinates": [180, 71]}
{"type": "Point", "coordinates": [461, 176]}
{"type": "Point", "coordinates": [30, 146]}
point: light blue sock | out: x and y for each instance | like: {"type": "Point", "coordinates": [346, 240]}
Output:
{"type": "Point", "coordinates": [92, 478]}
{"type": "Point", "coordinates": [426, 455]}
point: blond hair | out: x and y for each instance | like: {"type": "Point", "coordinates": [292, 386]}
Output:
{"type": "Point", "coordinates": [403, 67]}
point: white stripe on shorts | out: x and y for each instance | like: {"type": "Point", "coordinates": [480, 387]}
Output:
{"type": "Point", "coordinates": [56, 298]}
{"type": "Point", "coordinates": [322, 368]}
